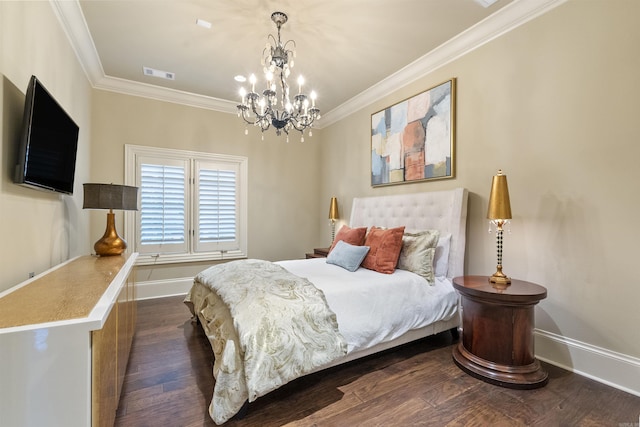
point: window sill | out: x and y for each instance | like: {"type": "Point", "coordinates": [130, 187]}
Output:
{"type": "Point", "coordinates": [160, 259]}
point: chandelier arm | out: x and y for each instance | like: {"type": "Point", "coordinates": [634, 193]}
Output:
{"type": "Point", "coordinates": [284, 46]}
{"type": "Point", "coordinates": [244, 117]}
{"type": "Point", "coordinates": [300, 126]}
{"type": "Point", "coordinates": [265, 55]}
{"type": "Point", "coordinates": [261, 120]}
{"type": "Point", "coordinates": [295, 123]}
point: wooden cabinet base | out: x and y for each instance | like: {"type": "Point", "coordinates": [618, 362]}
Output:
{"type": "Point", "coordinates": [65, 337]}
{"type": "Point", "coordinates": [520, 377]}
{"type": "Point", "coordinates": [497, 343]}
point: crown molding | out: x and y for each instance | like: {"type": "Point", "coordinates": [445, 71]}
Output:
{"type": "Point", "coordinates": [145, 90]}
{"type": "Point", "coordinates": [72, 20]}
{"type": "Point", "coordinates": [513, 15]}
{"type": "Point", "coordinates": [70, 15]}
{"type": "Point", "coordinates": [504, 20]}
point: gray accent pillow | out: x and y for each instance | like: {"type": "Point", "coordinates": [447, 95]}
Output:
{"type": "Point", "coordinates": [418, 250]}
{"type": "Point", "coordinates": [347, 256]}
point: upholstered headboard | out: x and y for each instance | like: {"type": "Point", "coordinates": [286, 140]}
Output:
{"type": "Point", "coordinates": [445, 211]}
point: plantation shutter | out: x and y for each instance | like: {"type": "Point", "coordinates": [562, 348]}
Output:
{"type": "Point", "coordinates": [193, 206]}
{"type": "Point", "coordinates": [163, 205]}
{"type": "Point", "coordinates": [216, 188]}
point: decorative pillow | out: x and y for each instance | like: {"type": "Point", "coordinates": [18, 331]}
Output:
{"type": "Point", "coordinates": [441, 259]}
{"type": "Point", "coordinates": [385, 248]}
{"type": "Point", "coordinates": [347, 256]}
{"type": "Point", "coordinates": [418, 250]}
{"type": "Point", "coordinates": [353, 236]}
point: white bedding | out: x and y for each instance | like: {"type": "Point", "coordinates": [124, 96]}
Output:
{"type": "Point", "coordinates": [374, 311]}
{"type": "Point", "coordinates": [373, 307]}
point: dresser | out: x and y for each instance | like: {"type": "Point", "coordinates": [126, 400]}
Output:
{"type": "Point", "coordinates": [65, 338]}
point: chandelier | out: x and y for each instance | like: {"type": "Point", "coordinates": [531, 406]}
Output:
{"type": "Point", "coordinates": [273, 108]}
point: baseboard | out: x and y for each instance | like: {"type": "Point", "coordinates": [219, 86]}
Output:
{"type": "Point", "coordinates": [163, 288]}
{"type": "Point", "coordinates": [606, 366]}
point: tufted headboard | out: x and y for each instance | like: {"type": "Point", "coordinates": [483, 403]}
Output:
{"type": "Point", "coordinates": [445, 211]}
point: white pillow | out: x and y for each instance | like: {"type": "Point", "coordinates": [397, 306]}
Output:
{"type": "Point", "coordinates": [441, 258]}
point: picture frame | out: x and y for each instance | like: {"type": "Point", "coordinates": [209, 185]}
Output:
{"type": "Point", "coordinates": [414, 140]}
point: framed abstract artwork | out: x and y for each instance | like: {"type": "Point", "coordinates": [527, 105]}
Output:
{"type": "Point", "coordinates": [414, 140]}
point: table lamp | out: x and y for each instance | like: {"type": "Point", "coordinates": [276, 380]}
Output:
{"type": "Point", "coordinates": [499, 213]}
{"type": "Point", "coordinates": [110, 196]}
{"type": "Point", "coordinates": [333, 216]}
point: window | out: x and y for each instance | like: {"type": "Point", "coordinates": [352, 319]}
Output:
{"type": "Point", "coordinates": [193, 206]}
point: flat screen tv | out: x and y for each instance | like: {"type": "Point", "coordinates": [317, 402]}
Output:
{"type": "Point", "coordinates": [48, 144]}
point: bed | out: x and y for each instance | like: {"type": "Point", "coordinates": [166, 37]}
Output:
{"type": "Point", "coordinates": [269, 323]}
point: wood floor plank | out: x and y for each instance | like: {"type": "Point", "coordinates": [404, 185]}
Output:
{"type": "Point", "coordinates": [169, 382]}
{"type": "Point", "coordinates": [403, 412]}
{"type": "Point", "coordinates": [484, 416]}
{"type": "Point", "coordinates": [410, 378]}
{"type": "Point", "coordinates": [332, 409]}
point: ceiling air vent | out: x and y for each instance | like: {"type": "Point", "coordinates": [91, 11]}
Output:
{"type": "Point", "coordinates": [486, 3]}
{"type": "Point", "coordinates": [158, 73]}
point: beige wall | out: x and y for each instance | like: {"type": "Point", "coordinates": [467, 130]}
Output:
{"type": "Point", "coordinates": [284, 178]}
{"type": "Point", "coordinates": [40, 229]}
{"type": "Point", "coordinates": [555, 104]}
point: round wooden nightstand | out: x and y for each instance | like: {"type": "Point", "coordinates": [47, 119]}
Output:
{"type": "Point", "coordinates": [497, 332]}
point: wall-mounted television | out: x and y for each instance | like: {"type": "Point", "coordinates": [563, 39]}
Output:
{"type": "Point", "coordinates": [48, 144]}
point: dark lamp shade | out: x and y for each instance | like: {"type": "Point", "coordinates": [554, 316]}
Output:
{"type": "Point", "coordinates": [333, 209]}
{"type": "Point", "coordinates": [499, 203]}
{"type": "Point", "coordinates": [110, 196]}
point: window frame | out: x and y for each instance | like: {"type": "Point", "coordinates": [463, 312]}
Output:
{"type": "Point", "coordinates": [133, 153]}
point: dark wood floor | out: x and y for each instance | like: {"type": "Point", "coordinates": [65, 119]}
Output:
{"type": "Point", "coordinates": [169, 383]}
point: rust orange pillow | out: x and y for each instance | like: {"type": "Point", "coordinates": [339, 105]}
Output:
{"type": "Point", "coordinates": [352, 236]}
{"type": "Point", "coordinates": [385, 245]}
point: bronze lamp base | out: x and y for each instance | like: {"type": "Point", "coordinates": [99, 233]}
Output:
{"type": "Point", "coordinates": [111, 243]}
{"type": "Point", "coordinates": [499, 279]}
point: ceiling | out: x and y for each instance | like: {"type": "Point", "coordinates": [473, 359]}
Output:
{"type": "Point", "coordinates": [346, 50]}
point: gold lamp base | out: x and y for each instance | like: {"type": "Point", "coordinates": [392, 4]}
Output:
{"type": "Point", "coordinates": [499, 279]}
{"type": "Point", "coordinates": [110, 244]}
